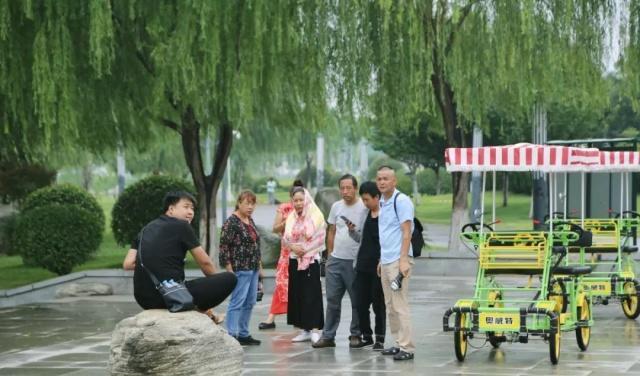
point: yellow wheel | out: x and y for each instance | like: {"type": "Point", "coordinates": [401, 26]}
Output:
{"type": "Point", "coordinates": [554, 347]}
{"type": "Point", "coordinates": [557, 293]}
{"type": "Point", "coordinates": [583, 334]}
{"type": "Point", "coordinates": [460, 337]}
{"type": "Point", "coordinates": [630, 305]}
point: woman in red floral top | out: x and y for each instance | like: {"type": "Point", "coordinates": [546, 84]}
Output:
{"type": "Point", "coordinates": [240, 254]}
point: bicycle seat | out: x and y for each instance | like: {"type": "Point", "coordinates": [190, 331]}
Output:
{"type": "Point", "coordinates": [572, 270]}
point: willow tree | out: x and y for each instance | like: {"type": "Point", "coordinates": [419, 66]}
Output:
{"type": "Point", "coordinates": [629, 63]}
{"type": "Point", "coordinates": [392, 59]}
{"type": "Point", "coordinates": [99, 72]}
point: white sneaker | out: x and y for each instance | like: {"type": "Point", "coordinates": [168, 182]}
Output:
{"type": "Point", "coordinates": [304, 336]}
{"type": "Point", "coordinates": [315, 337]}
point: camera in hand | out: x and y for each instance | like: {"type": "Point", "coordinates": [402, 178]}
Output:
{"type": "Point", "coordinates": [396, 284]}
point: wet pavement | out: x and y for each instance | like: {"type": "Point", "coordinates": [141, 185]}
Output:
{"type": "Point", "coordinates": [72, 336]}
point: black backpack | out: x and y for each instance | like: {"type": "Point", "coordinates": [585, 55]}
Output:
{"type": "Point", "coordinates": [417, 241]}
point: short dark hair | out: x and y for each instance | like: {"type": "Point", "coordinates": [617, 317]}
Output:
{"type": "Point", "coordinates": [370, 188]}
{"type": "Point", "coordinates": [386, 167]}
{"type": "Point", "coordinates": [173, 197]}
{"type": "Point", "coordinates": [348, 176]}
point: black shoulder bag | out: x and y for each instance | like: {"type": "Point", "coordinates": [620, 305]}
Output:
{"type": "Point", "coordinates": [175, 294]}
{"type": "Point", "coordinates": [417, 241]}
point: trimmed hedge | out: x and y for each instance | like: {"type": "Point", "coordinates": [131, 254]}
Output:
{"type": "Point", "coordinates": [64, 194]}
{"type": "Point", "coordinates": [141, 202]}
{"type": "Point", "coordinates": [57, 237]}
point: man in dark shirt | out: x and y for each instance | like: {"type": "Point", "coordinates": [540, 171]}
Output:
{"type": "Point", "coordinates": [367, 282]}
{"type": "Point", "coordinates": [165, 242]}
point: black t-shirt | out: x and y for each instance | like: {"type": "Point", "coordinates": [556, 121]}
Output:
{"type": "Point", "coordinates": [165, 242]}
{"type": "Point", "coordinates": [369, 253]}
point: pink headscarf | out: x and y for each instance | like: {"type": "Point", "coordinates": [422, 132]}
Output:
{"type": "Point", "coordinates": [307, 229]}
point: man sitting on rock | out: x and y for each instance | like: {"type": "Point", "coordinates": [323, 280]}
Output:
{"type": "Point", "coordinates": [165, 242]}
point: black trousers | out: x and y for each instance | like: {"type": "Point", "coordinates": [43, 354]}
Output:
{"type": "Point", "coordinates": [207, 292]}
{"type": "Point", "coordinates": [369, 292]}
{"type": "Point", "coordinates": [305, 307]}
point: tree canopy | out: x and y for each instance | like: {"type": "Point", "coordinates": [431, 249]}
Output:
{"type": "Point", "coordinates": [99, 72]}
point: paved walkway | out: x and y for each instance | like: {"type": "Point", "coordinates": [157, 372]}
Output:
{"type": "Point", "coordinates": [72, 336]}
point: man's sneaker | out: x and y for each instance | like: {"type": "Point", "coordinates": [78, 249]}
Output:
{"type": "Point", "coordinates": [357, 343]}
{"type": "Point", "coordinates": [304, 336]}
{"type": "Point", "coordinates": [324, 342]}
{"type": "Point", "coordinates": [315, 337]}
{"type": "Point", "coordinates": [248, 341]}
{"type": "Point", "coordinates": [378, 346]}
{"type": "Point", "coordinates": [391, 351]}
{"type": "Point", "coordinates": [403, 355]}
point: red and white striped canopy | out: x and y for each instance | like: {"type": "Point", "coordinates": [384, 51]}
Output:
{"type": "Point", "coordinates": [522, 157]}
{"type": "Point", "coordinates": [618, 161]}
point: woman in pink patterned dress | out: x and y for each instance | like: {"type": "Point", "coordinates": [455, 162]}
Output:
{"type": "Point", "coordinates": [279, 300]}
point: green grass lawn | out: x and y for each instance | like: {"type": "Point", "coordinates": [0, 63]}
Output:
{"type": "Point", "coordinates": [437, 209]}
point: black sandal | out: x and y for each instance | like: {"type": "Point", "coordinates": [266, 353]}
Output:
{"type": "Point", "coordinates": [403, 355]}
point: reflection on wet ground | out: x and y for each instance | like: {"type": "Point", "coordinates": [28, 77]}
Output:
{"type": "Point", "coordinates": [72, 336]}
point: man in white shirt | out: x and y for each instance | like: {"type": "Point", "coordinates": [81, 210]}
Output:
{"type": "Point", "coordinates": [271, 190]}
{"type": "Point", "coordinates": [346, 220]}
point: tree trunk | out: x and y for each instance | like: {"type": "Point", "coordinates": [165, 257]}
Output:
{"type": "Point", "coordinates": [206, 185]}
{"type": "Point", "coordinates": [308, 160]}
{"type": "Point", "coordinates": [438, 180]}
{"type": "Point", "coordinates": [540, 192]}
{"type": "Point", "coordinates": [505, 189]}
{"type": "Point", "coordinates": [87, 176]}
{"type": "Point", "coordinates": [454, 136]}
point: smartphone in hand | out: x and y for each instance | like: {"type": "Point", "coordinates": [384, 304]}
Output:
{"type": "Point", "coordinates": [346, 220]}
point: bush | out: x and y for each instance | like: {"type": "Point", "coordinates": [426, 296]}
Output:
{"type": "Point", "coordinates": [519, 182]}
{"type": "Point", "coordinates": [427, 182]}
{"type": "Point", "coordinates": [17, 182]}
{"type": "Point", "coordinates": [404, 183]}
{"type": "Point", "coordinates": [7, 232]}
{"type": "Point", "coordinates": [141, 203]}
{"type": "Point", "coordinates": [57, 237]}
{"type": "Point", "coordinates": [64, 194]}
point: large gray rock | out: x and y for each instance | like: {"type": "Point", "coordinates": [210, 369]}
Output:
{"type": "Point", "coordinates": [84, 289]}
{"type": "Point", "coordinates": [269, 246]}
{"type": "Point", "coordinates": [325, 198]}
{"type": "Point", "coordinates": [157, 342]}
